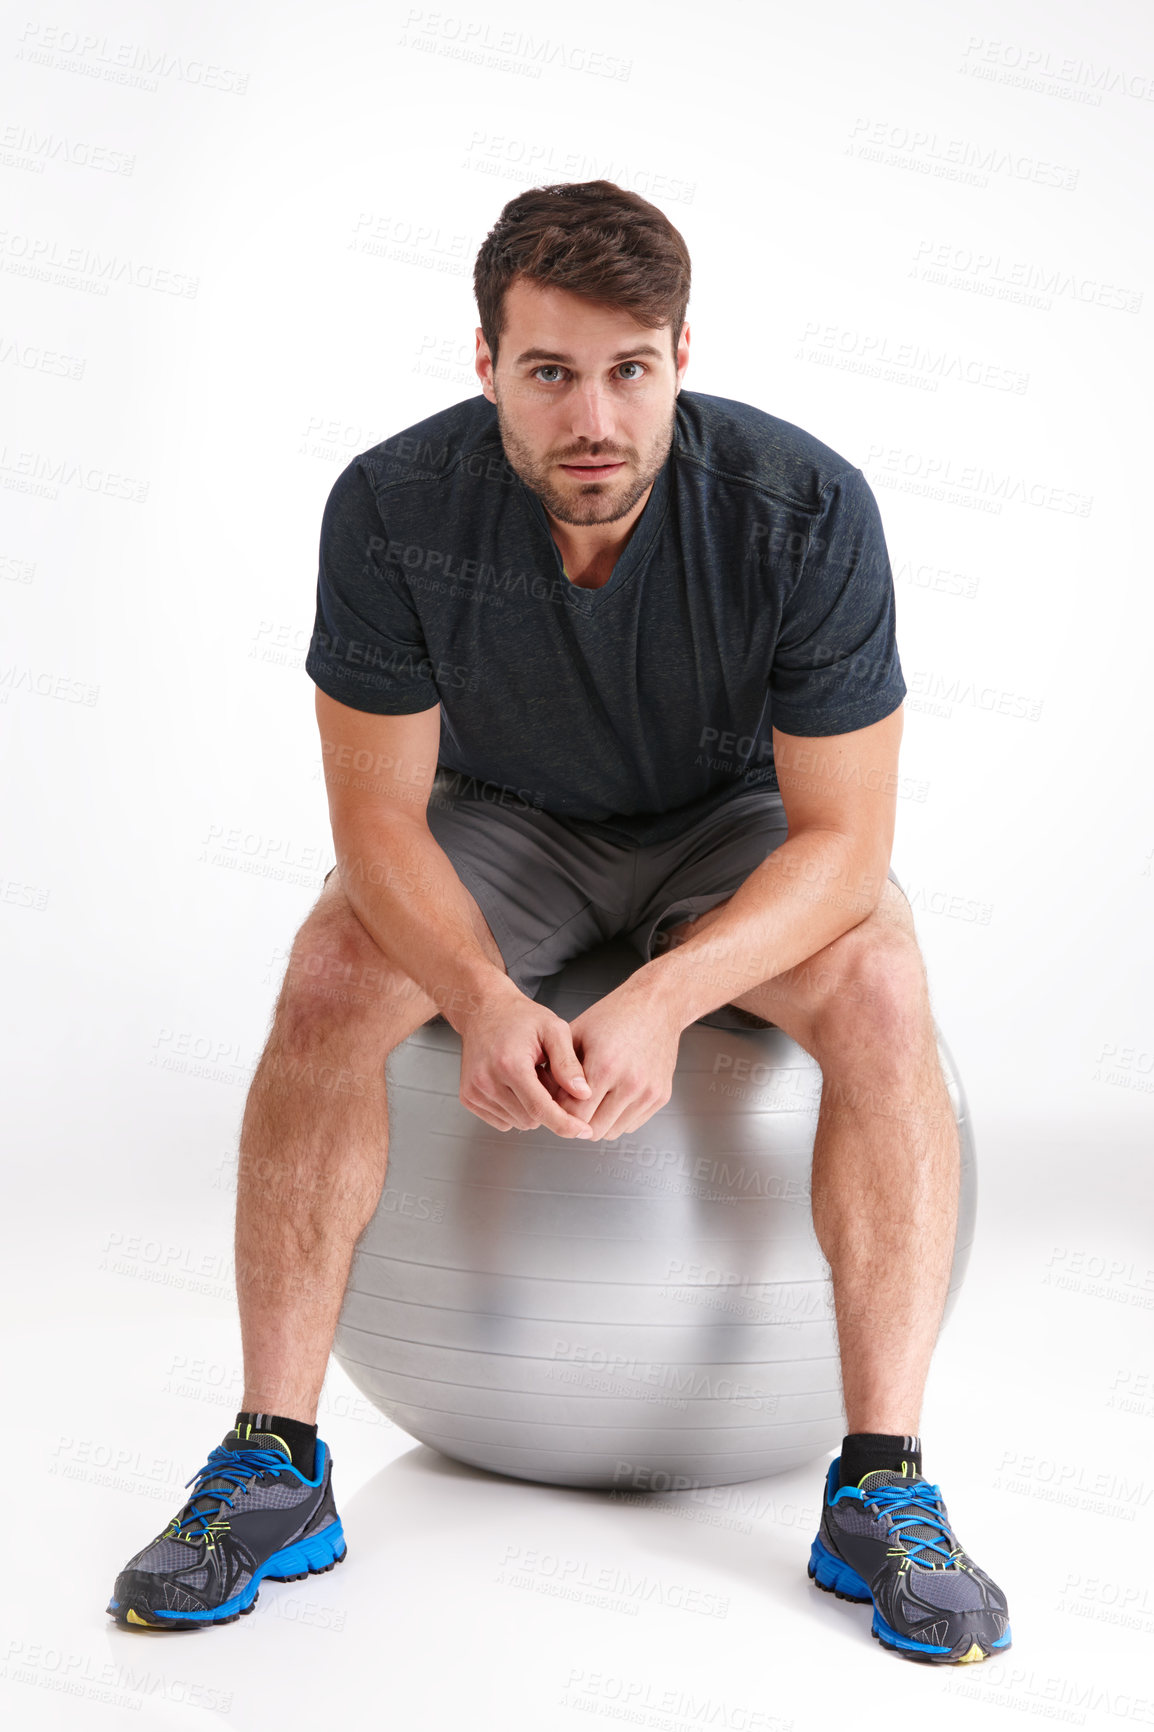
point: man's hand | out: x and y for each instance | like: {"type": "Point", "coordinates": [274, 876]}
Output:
{"type": "Point", "coordinates": [627, 1045]}
{"type": "Point", "coordinates": [505, 1049]}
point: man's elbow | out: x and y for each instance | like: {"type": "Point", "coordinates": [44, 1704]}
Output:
{"type": "Point", "coordinates": [853, 869]}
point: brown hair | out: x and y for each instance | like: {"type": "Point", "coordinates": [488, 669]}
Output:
{"type": "Point", "coordinates": [591, 238]}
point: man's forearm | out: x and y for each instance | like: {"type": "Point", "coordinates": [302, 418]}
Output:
{"type": "Point", "coordinates": [810, 890]}
{"type": "Point", "coordinates": [407, 895]}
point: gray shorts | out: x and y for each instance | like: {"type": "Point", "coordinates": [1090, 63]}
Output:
{"type": "Point", "coordinates": [551, 890]}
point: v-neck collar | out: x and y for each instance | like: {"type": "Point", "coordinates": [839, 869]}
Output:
{"type": "Point", "coordinates": [632, 555]}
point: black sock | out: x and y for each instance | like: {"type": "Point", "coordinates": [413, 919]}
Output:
{"type": "Point", "coordinates": [301, 1438]}
{"type": "Point", "coordinates": [862, 1451]}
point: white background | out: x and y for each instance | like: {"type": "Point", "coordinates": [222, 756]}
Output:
{"type": "Point", "coordinates": [919, 235]}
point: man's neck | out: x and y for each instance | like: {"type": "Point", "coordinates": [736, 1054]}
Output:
{"type": "Point", "coordinates": [590, 552]}
{"type": "Point", "coordinates": [592, 575]}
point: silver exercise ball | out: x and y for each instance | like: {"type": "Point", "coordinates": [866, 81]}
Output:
{"type": "Point", "coordinates": [653, 1312]}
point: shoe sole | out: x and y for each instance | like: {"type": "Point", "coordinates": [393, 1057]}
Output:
{"type": "Point", "coordinates": [318, 1554]}
{"type": "Point", "coordinates": [834, 1576]}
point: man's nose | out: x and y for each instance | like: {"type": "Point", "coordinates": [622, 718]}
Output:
{"type": "Point", "coordinates": [591, 412]}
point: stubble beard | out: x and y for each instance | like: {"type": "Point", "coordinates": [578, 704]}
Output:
{"type": "Point", "coordinates": [614, 498]}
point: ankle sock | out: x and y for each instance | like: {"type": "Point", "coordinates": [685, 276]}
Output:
{"type": "Point", "coordinates": [862, 1451]}
{"type": "Point", "coordinates": [301, 1438]}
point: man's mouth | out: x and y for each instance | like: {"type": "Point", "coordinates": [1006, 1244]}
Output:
{"type": "Point", "coordinates": [592, 470]}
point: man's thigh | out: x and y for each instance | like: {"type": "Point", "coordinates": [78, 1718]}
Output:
{"type": "Point", "coordinates": [701, 870]}
{"type": "Point", "coordinates": [544, 890]}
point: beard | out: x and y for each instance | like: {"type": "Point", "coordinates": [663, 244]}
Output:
{"type": "Point", "coordinates": [584, 503]}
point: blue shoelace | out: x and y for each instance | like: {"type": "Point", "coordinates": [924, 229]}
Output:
{"type": "Point", "coordinates": [914, 1505]}
{"type": "Point", "coordinates": [235, 1466]}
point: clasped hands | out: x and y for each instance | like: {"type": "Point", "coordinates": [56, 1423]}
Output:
{"type": "Point", "coordinates": [599, 1077]}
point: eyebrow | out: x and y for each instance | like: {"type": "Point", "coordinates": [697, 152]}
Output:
{"type": "Point", "coordinates": [621, 355]}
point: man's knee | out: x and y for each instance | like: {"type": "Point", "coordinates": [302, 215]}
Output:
{"type": "Point", "coordinates": [336, 972]}
{"type": "Point", "coordinates": [879, 979]}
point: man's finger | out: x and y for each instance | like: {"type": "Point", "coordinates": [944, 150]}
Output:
{"type": "Point", "coordinates": [491, 1114]}
{"type": "Point", "coordinates": [563, 1062]}
{"type": "Point", "coordinates": [535, 1099]}
{"type": "Point", "coordinates": [607, 1122]}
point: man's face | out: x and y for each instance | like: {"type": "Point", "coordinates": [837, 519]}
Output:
{"type": "Point", "coordinates": [584, 401]}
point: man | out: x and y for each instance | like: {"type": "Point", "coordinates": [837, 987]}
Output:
{"type": "Point", "coordinates": [595, 654]}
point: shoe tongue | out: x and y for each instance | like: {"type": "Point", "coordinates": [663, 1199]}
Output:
{"type": "Point", "coordinates": [880, 1476]}
{"type": "Point", "coordinates": [231, 1440]}
{"type": "Point", "coordinates": [257, 1440]}
{"type": "Point", "coordinates": [888, 1476]}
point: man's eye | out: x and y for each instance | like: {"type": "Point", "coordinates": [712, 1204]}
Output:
{"type": "Point", "coordinates": [555, 367]}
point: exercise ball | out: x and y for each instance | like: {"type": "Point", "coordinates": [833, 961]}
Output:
{"type": "Point", "coordinates": [653, 1312]}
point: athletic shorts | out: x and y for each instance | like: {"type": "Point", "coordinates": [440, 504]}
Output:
{"type": "Point", "coordinates": [551, 890]}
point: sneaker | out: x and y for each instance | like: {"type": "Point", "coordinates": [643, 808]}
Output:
{"type": "Point", "coordinates": [888, 1539]}
{"type": "Point", "coordinates": [252, 1515]}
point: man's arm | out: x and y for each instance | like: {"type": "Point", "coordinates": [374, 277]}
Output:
{"type": "Point", "coordinates": [403, 888]}
{"type": "Point", "coordinates": [406, 893]}
{"type": "Point", "coordinates": [379, 713]}
{"type": "Point", "coordinates": [840, 798]}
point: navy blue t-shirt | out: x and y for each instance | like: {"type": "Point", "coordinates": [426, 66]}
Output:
{"type": "Point", "coordinates": [754, 591]}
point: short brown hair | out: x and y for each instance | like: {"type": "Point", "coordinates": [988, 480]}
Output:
{"type": "Point", "coordinates": [591, 238]}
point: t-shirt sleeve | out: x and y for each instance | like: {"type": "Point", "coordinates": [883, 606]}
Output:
{"type": "Point", "coordinates": [368, 648]}
{"type": "Point", "coordinates": [835, 665]}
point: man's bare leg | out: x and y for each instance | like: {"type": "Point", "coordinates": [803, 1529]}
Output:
{"type": "Point", "coordinates": [313, 1147]}
{"type": "Point", "coordinates": [886, 1158]}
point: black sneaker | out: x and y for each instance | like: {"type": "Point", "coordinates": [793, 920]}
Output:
{"type": "Point", "coordinates": [888, 1539]}
{"type": "Point", "coordinates": [252, 1515]}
